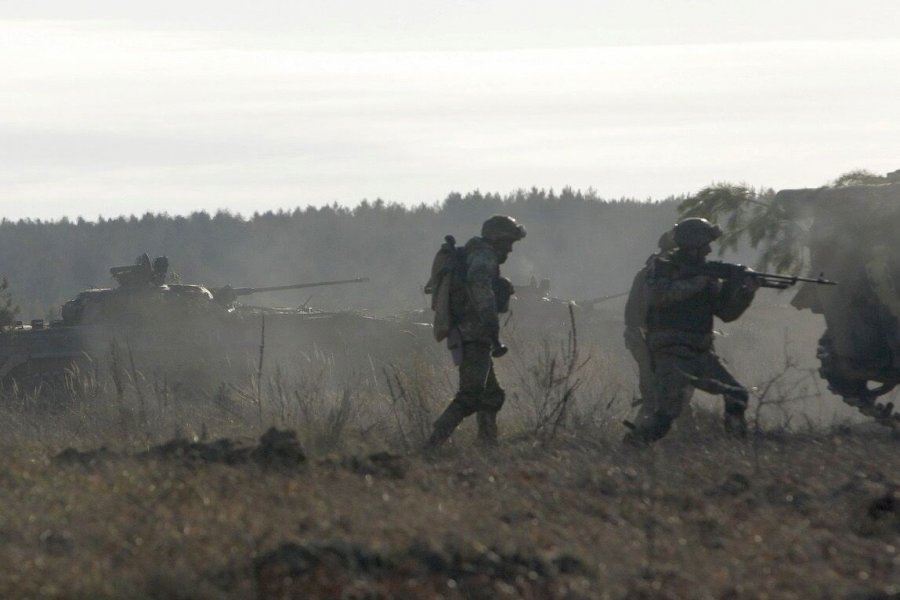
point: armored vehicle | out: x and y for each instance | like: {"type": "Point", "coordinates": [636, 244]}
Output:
{"type": "Point", "coordinates": [535, 310]}
{"type": "Point", "coordinates": [852, 237]}
{"type": "Point", "coordinates": [192, 332]}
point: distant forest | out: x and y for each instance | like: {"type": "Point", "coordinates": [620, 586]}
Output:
{"type": "Point", "coordinates": [585, 245]}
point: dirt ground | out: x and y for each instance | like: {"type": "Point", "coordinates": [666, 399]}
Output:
{"type": "Point", "coordinates": [779, 516]}
{"type": "Point", "coordinates": [125, 489]}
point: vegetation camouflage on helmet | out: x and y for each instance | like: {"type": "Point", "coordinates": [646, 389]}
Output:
{"type": "Point", "coordinates": [695, 232]}
{"type": "Point", "coordinates": [502, 227]}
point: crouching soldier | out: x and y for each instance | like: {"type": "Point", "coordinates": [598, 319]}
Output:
{"type": "Point", "coordinates": [681, 304]}
{"type": "Point", "coordinates": [476, 302]}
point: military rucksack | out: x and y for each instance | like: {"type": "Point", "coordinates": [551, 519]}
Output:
{"type": "Point", "coordinates": [447, 287]}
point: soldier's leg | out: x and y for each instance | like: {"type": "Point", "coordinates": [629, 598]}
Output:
{"type": "Point", "coordinates": [646, 382]}
{"type": "Point", "coordinates": [716, 379]}
{"type": "Point", "coordinates": [487, 427]}
{"type": "Point", "coordinates": [671, 391]}
{"type": "Point", "coordinates": [645, 415]}
{"type": "Point", "coordinates": [491, 403]}
{"type": "Point", "coordinates": [473, 374]}
{"type": "Point", "coordinates": [637, 346]}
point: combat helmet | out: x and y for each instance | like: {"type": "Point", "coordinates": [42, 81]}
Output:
{"type": "Point", "coordinates": [666, 241]}
{"type": "Point", "coordinates": [502, 228]}
{"type": "Point", "coordinates": [694, 233]}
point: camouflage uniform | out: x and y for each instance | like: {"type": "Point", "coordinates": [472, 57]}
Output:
{"type": "Point", "coordinates": [635, 324]}
{"type": "Point", "coordinates": [478, 327]}
{"type": "Point", "coordinates": [636, 321]}
{"type": "Point", "coordinates": [680, 340]}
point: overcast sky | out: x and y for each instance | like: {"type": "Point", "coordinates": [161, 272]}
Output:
{"type": "Point", "coordinates": [123, 108]}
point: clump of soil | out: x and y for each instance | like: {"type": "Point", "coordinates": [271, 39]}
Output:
{"type": "Point", "coordinates": [377, 464]}
{"type": "Point", "coordinates": [276, 449]}
{"type": "Point", "coordinates": [84, 458]}
{"type": "Point", "coordinates": [341, 570]}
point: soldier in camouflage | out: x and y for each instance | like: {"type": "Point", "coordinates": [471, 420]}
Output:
{"type": "Point", "coordinates": [636, 320]}
{"type": "Point", "coordinates": [680, 311]}
{"type": "Point", "coordinates": [478, 327]}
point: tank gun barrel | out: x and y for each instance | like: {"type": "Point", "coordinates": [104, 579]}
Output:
{"type": "Point", "coordinates": [592, 301]}
{"type": "Point", "coordinates": [246, 291]}
{"type": "Point", "coordinates": [228, 294]}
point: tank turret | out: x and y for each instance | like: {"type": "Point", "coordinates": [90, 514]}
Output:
{"type": "Point", "coordinates": [141, 295]}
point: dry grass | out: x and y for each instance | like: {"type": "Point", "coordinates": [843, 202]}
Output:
{"type": "Point", "coordinates": [692, 518]}
{"type": "Point", "coordinates": [808, 513]}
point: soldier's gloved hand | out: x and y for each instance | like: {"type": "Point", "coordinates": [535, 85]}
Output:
{"type": "Point", "coordinates": [750, 285]}
{"type": "Point", "coordinates": [713, 284]}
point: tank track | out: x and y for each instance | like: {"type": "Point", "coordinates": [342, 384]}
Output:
{"type": "Point", "coordinates": [854, 391]}
{"type": "Point", "coordinates": [883, 414]}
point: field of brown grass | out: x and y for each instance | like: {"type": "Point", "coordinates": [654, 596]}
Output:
{"type": "Point", "coordinates": [786, 516]}
{"type": "Point", "coordinates": [123, 492]}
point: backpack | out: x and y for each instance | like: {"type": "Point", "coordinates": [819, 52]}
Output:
{"type": "Point", "coordinates": [448, 278]}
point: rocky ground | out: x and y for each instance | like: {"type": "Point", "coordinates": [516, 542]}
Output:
{"type": "Point", "coordinates": [783, 515]}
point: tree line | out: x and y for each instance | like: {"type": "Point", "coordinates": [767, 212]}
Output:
{"type": "Point", "coordinates": [586, 245]}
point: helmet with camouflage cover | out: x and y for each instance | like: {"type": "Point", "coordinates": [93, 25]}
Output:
{"type": "Point", "coordinates": [502, 228]}
{"type": "Point", "coordinates": [694, 233]}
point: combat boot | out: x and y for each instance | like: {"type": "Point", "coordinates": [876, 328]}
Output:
{"type": "Point", "coordinates": [445, 425]}
{"type": "Point", "coordinates": [736, 424]}
{"type": "Point", "coordinates": [487, 428]}
{"type": "Point", "coordinates": [648, 429]}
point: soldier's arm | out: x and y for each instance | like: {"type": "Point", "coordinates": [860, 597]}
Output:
{"type": "Point", "coordinates": [735, 297]}
{"type": "Point", "coordinates": [482, 267]}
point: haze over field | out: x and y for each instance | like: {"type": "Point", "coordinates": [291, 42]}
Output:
{"type": "Point", "coordinates": [199, 440]}
{"type": "Point", "coordinates": [114, 109]}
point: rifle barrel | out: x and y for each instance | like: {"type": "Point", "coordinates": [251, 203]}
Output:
{"type": "Point", "coordinates": [795, 278]}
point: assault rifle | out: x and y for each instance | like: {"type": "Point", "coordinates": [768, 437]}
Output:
{"type": "Point", "coordinates": [724, 270]}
